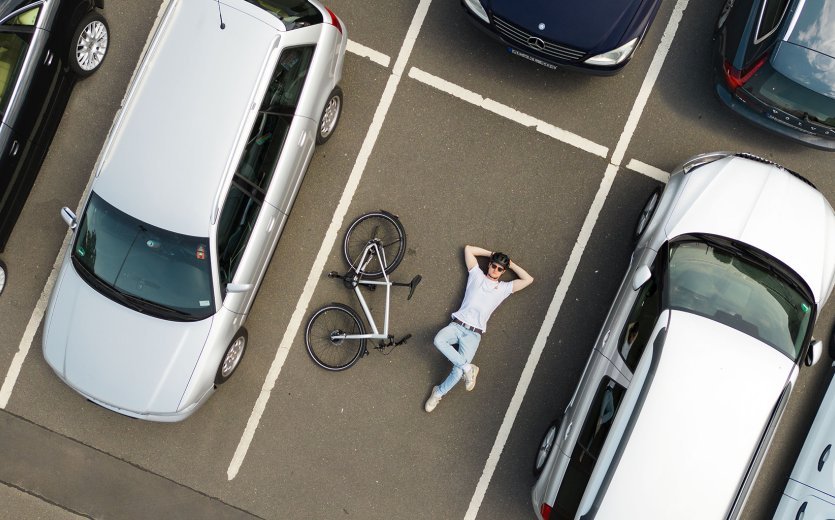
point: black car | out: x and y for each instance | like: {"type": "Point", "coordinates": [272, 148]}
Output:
{"type": "Point", "coordinates": [774, 63]}
{"type": "Point", "coordinates": [594, 36]}
{"type": "Point", "coordinates": [45, 45]}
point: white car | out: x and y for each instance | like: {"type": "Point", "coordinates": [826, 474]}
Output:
{"type": "Point", "coordinates": [700, 350]}
{"type": "Point", "coordinates": [191, 192]}
{"type": "Point", "coordinates": [810, 492]}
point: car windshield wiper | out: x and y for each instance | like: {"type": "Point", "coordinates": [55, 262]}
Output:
{"type": "Point", "coordinates": [146, 305]}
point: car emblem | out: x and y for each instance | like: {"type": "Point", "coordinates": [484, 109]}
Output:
{"type": "Point", "coordinates": [535, 42]}
{"type": "Point", "coordinates": [542, 27]}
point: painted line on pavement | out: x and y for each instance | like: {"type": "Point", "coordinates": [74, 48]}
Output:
{"type": "Point", "coordinates": [574, 261]}
{"type": "Point", "coordinates": [648, 170]}
{"type": "Point", "coordinates": [328, 241]}
{"type": "Point", "coordinates": [366, 52]}
{"type": "Point", "coordinates": [509, 113]}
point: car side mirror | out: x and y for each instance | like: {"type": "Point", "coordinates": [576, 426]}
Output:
{"type": "Point", "coordinates": [238, 287]}
{"type": "Point", "coordinates": [642, 275]}
{"type": "Point", "coordinates": [69, 217]}
{"type": "Point", "coordinates": [815, 352]}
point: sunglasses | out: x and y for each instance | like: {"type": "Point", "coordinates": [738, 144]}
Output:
{"type": "Point", "coordinates": [497, 267]}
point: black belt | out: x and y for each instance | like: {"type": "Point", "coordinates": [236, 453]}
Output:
{"type": "Point", "coordinates": [468, 327]}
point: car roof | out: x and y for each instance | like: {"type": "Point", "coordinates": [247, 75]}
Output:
{"type": "Point", "coordinates": [704, 407]}
{"type": "Point", "coordinates": [172, 147]}
{"type": "Point", "coordinates": [765, 206]}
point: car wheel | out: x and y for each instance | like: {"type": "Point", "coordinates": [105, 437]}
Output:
{"type": "Point", "coordinates": [89, 44]}
{"type": "Point", "coordinates": [646, 214]}
{"type": "Point", "coordinates": [2, 277]}
{"type": "Point", "coordinates": [545, 447]}
{"type": "Point", "coordinates": [330, 116]}
{"type": "Point", "coordinates": [232, 357]}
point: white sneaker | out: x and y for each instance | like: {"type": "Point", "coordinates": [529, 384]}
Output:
{"type": "Point", "coordinates": [469, 377]}
{"type": "Point", "coordinates": [433, 400]}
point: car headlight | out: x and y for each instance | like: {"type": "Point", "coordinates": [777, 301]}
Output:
{"type": "Point", "coordinates": [615, 56]}
{"type": "Point", "coordinates": [477, 9]}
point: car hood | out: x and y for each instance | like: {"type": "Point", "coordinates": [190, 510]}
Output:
{"type": "Point", "coordinates": [764, 207]}
{"type": "Point", "coordinates": [116, 355]}
{"type": "Point", "coordinates": [711, 396]}
{"type": "Point", "coordinates": [590, 25]}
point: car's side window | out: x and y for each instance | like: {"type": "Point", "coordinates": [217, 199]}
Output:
{"type": "Point", "coordinates": [266, 139]}
{"type": "Point", "coordinates": [590, 442]}
{"type": "Point", "coordinates": [15, 35]}
{"type": "Point", "coordinates": [640, 323]}
{"type": "Point", "coordinates": [770, 17]}
{"type": "Point", "coordinates": [237, 219]}
{"type": "Point", "coordinates": [27, 17]}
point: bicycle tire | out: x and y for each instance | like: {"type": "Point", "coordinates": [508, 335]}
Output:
{"type": "Point", "coordinates": [376, 225]}
{"type": "Point", "coordinates": [334, 355]}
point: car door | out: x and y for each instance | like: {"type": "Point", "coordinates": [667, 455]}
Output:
{"type": "Point", "coordinates": [30, 79]}
{"type": "Point", "coordinates": [614, 333]}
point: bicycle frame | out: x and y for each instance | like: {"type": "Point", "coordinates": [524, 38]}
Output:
{"type": "Point", "coordinates": [364, 260]}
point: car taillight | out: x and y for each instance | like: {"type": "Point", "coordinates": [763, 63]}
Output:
{"type": "Point", "coordinates": [334, 20]}
{"type": "Point", "coordinates": [736, 78]}
{"type": "Point", "coordinates": [545, 511]}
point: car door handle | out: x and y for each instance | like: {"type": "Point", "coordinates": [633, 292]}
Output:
{"type": "Point", "coordinates": [48, 59]}
{"type": "Point", "coordinates": [14, 149]}
{"type": "Point", "coordinates": [824, 457]}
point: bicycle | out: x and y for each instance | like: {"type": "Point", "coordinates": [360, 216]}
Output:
{"type": "Point", "coordinates": [335, 335]}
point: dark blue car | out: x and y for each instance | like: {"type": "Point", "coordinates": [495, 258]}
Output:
{"type": "Point", "coordinates": [593, 36]}
{"type": "Point", "coordinates": [774, 63]}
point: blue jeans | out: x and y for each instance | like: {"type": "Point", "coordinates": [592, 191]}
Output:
{"type": "Point", "coordinates": [467, 341]}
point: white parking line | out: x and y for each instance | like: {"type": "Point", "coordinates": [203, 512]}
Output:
{"type": "Point", "coordinates": [366, 52]}
{"type": "Point", "coordinates": [574, 260]}
{"type": "Point", "coordinates": [648, 170]}
{"type": "Point", "coordinates": [328, 241]}
{"type": "Point", "coordinates": [509, 113]}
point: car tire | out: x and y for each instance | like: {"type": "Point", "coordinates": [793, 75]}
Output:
{"type": "Point", "coordinates": [89, 44]}
{"type": "Point", "coordinates": [549, 438]}
{"type": "Point", "coordinates": [232, 357]}
{"type": "Point", "coordinates": [2, 276]}
{"type": "Point", "coordinates": [330, 116]}
{"type": "Point", "coordinates": [647, 212]}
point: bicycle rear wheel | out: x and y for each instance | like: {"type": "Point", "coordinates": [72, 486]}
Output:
{"type": "Point", "coordinates": [326, 351]}
{"type": "Point", "coordinates": [380, 226]}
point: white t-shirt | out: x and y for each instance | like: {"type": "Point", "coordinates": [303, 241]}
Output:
{"type": "Point", "coordinates": [481, 298]}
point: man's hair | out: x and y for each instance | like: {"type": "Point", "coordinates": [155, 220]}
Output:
{"type": "Point", "coordinates": [501, 259]}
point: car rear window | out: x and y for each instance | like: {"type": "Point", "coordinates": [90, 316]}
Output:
{"type": "Point", "coordinates": [784, 92]}
{"type": "Point", "coordinates": [293, 13]}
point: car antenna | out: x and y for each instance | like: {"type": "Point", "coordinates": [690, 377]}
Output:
{"type": "Point", "coordinates": [222, 25]}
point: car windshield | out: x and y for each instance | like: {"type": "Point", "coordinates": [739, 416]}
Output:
{"type": "Point", "coordinates": [776, 89]}
{"type": "Point", "coordinates": [732, 286]}
{"type": "Point", "coordinates": [146, 268]}
{"type": "Point", "coordinates": [293, 13]}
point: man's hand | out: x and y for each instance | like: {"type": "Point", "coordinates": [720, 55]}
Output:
{"type": "Point", "coordinates": [470, 254]}
{"type": "Point", "coordinates": [523, 280]}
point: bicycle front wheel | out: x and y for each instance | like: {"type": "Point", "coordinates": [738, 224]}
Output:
{"type": "Point", "coordinates": [381, 227]}
{"type": "Point", "coordinates": [324, 345]}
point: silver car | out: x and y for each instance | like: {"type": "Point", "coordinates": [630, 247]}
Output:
{"type": "Point", "coordinates": [700, 350]}
{"type": "Point", "coordinates": [190, 195]}
{"type": "Point", "coordinates": [810, 491]}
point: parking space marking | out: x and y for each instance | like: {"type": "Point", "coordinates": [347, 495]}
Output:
{"type": "Point", "coordinates": [329, 240]}
{"type": "Point", "coordinates": [366, 52]}
{"type": "Point", "coordinates": [574, 259]}
{"type": "Point", "coordinates": [509, 113]}
{"type": "Point", "coordinates": [648, 170]}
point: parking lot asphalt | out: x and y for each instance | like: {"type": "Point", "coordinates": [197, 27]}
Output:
{"type": "Point", "coordinates": [467, 144]}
